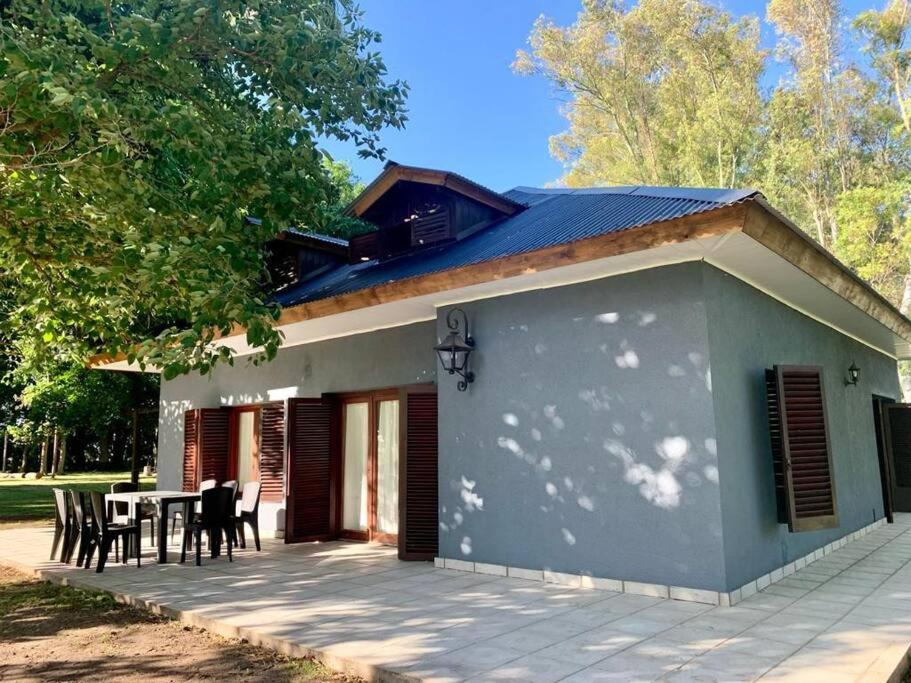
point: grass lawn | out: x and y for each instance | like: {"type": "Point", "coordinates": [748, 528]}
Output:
{"type": "Point", "coordinates": [57, 633]}
{"type": "Point", "coordinates": [32, 499]}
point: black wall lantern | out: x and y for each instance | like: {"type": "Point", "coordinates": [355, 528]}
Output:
{"type": "Point", "coordinates": [455, 349]}
{"type": "Point", "coordinates": [853, 375]}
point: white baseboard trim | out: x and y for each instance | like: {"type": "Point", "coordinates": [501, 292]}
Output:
{"type": "Point", "coordinates": [723, 599]}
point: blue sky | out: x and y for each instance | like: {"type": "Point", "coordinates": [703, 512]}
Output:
{"type": "Point", "coordinates": [468, 112]}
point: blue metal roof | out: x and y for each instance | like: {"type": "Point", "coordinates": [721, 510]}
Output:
{"type": "Point", "coordinates": [552, 217]}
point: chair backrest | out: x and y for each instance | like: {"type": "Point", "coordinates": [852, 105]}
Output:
{"type": "Point", "coordinates": [250, 497]}
{"type": "Point", "coordinates": [207, 484]}
{"type": "Point", "coordinates": [232, 485]}
{"type": "Point", "coordinates": [60, 505]}
{"type": "Point", "coordinates": [120, 507]}
{"type": "Point", "coordinates": [211, 503]}
{"type": "Point", "coordinates": [99, 514]}
{"type": "Point", "coordinates": [78, 499]}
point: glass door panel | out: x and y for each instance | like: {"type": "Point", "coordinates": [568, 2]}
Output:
{"type": "Point", "coordinates": [387, 467]}
{"type": "Point", "coordinates": [247, 469]}
{"type": "Point", "coordinates": [356, 447]}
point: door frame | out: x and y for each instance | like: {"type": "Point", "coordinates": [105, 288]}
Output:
{"type": "Point", "coordinates": [884, 451]}
{"type": "Point", "coordinates": [257, 409]}
{"type": "Point", "coordinates": [372, 399]}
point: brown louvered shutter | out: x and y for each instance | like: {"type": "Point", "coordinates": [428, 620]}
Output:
{"type": "Point", "coordinates": [808, 481]}
{"type": "Point", "coordinates": [310, 505]}
{"type": "Point", "coordinates": [214, 443]}
{"type": "Point", "coordinates": [781, 493]}
{"type": "Point", "coordinates": [418, 474]}
{"type": "Point", "coordinates": [272, 451]}
{"type": "Point", "coordinates": [191, 450]}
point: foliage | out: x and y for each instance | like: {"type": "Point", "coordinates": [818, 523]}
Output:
{"type": "Point", "coordinates": [660, 93]}
{"type": "Point", "coordinates": [134, 140]}
{"type": "Point", "coordinates": [32, 498]}
{"type": "Point", "coordinates": [655, 90]}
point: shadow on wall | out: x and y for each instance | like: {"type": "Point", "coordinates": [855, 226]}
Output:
{"type": "Point", "coordinates": [620, 441]}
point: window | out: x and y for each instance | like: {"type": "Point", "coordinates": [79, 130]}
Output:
{"type": "Point", "coordinates": [801, 454]}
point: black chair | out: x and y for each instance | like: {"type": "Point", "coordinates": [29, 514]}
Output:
{"type": "Point", "coordinates": [82, 530]}
{"type": "Point", "coordinates": [204, 486]}
{"type": "Point", "coordinates": [122, 510]}
{"type": "Point", "coordinates": [215, 519]}
{"type": "Point", "coordinates": [247, 512]}
{"type": "Point", "coordinates": [63, 525]}
{"type": "Point", "coordinates": [104, 534]}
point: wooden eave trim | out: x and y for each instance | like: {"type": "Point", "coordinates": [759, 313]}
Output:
{"type": "Point", "coordinates": [392, 175]}
{"type": "Point", "coordinates": [753, 218]}
{"type": "Point", "coordinates": [787, 241]}
{"type": "Point", "coordinates": [696, 226]}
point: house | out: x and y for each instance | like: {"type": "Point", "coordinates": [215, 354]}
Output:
{"type": "Point", "coordinates": [671, 388]}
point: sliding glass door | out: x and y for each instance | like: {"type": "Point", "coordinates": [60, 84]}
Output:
{"type": "Point", "coordinates": [370, 466]}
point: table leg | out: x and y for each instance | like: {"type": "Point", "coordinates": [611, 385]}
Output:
{"type": "Point", "coordinates": [163, 531]}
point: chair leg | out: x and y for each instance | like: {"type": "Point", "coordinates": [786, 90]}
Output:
{"type": "Point", "coordinates": [254, 524]}
{"type": "Point", "coordinates": [83, 549]}
{"type": "Point", "coordinates": [90, 551]}
{"type": "Point", "coordinates": [183, 546]}
{"type": "Point", "coordinates": [58, 531]}
{"type": "Point", "coordinates": [65, 541]}
{"type": "Point", "coordinates": [242, 537]}
{"type": "Point", "coordinates": [173, 526]}
{"type": "Point", "coordinates": [228, 543]}
{"type": "Point", "coordinates": [71, 546]}
{"type": "Point", "coordinates": [139, 543]}
{"type": "Point", "coordinates": [103, 551]}
{"type": "Point", "coordinates": [198, 547]}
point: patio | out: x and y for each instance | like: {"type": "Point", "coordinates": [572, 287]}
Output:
{"type": "Point", "coordinates": [846, 617]}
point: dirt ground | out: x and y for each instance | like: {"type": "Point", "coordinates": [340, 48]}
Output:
{"type": "Point", "coordinates": [54, 633]}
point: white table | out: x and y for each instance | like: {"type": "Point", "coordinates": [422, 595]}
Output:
{"type": "Point", "coordinates": [162, 501]}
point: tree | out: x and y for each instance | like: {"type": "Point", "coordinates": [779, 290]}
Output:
{"type": "Point", "coordinates": [887, 35]}
{"type": "Point", "coordinates": [660, 93]}
{"type": "Point", "coordinates": [135, 139]}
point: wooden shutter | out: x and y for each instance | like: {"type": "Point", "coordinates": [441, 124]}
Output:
{"type": "Point", "coordinates": [431, 227]}
{"type": "Point", "coordinates": [807, 483]}
{"type": "Point", "coordinates": [897, 417]}
{"type": "Point", "coordinates": [418, 475]}
{"type": "Point", "coordinates": [191, 450]}
{"type": "Point", "coordinates": [310, 506]}
{"type": "Point", "coordinates": [213, 443]}
{"type": "Point", "coordinates": [272, 451]}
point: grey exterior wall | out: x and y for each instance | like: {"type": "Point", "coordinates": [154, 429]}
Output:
{"type": "Point", "coordinates": [587, 442]}
{"type": "Point", "coordinates": [748, 332]}
{"type": "Point", "coordinates": [374, 360]}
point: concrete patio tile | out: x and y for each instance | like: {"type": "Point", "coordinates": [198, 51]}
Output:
{"type": "Point", "coordinates": [530, 638]}
{"type": "Point", "coordinates": [533, 668]}
{"type": "Point", "coordinates": [474, 659]}
{"type": "Point", "coordinates": [736, 665]}
{"type": "Point", "coordinates": [592, 646]}
{"type": "Point", "coordinates": [846, 617]}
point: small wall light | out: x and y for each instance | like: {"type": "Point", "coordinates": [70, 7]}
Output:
{"type": "Point", "coordinates": [853, 375]}
{"type": "Point", "coordinates": [455, 349]}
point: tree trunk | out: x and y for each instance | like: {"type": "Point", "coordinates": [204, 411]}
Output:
{"type": "Point", "coordinates": [42, 461]}
{"type": "Point", "coordinates": [24, 459]}
{"type": "Point", "coordinates": [134, 455]}
{"type": "Point", "coordinates": [62, 453]}
{"type": "Point", "coordinates": [104, 454]}
{"type": "Point", "coordinates": [55, 453]}
{"type": "Point", "coordinates": [5, 447]}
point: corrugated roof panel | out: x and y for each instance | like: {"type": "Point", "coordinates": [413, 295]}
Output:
{"type": "Point", "coordinates": [552, 217]}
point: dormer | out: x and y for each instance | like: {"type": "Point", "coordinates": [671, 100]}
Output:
{"type": "Point", "coordinates": [294, 256]}
{"type": "Point", "coordinates": [413, 208]}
